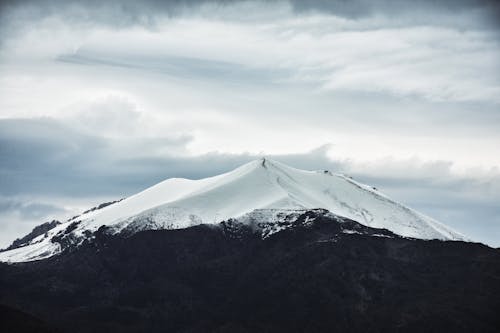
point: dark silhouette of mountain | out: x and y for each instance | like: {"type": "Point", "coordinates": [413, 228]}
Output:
{"type": "Point", "coordinates": [328, 275]}
{"type": "Point", "coordinates": [15, 321]}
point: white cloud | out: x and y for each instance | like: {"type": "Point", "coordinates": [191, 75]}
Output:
{"type": "Point", "coordinates": [436, 62]}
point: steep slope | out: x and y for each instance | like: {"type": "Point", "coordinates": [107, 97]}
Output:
{"type": "Point", "coordinates": [262, 184]}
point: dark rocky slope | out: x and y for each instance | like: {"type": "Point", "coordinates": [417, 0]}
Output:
{"type": "Point", "coordinates": [307, 278]}
{"type": "Point", "coordinates": [37, 231]}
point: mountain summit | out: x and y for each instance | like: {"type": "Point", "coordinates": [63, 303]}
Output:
{"type": "Point", "coordinates": [259, 188]}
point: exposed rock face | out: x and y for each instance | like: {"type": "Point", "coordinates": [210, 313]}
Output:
{"type": "Point", "coordinates": [37, 231]}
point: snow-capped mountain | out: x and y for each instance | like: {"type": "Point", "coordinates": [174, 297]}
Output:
{"type": "Point", "coordinates": [259, 189]}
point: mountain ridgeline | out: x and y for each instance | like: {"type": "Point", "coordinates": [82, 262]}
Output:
{"type": "Point", "coordinates": [261, 185]}
{"type": "Point", "coordinates": [263, 248]}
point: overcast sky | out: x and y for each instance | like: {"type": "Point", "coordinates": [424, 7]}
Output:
{"type": "Point", "coordinates": [100, 99]}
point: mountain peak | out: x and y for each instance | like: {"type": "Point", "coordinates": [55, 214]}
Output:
{"type": "Point", "coordinates": [263, 162]}
{"type": "Point", "coordinates": [262, 184]}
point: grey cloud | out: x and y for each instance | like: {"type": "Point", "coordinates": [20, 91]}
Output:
{"type": "Point", "coordinates": [18, 16]}
{"type": "Point", "coordinates": [363, 8]}
{"type": "Point", "coordinates": [180, 67]}
{"type": "Point", "coordinates": [121, 13]}
{"type": "Point", "coordinates": [28, 210]}
{"type": "Point", "coordinates": [135, 11]}
{"type": "Point", "coordinates": [46, 156]}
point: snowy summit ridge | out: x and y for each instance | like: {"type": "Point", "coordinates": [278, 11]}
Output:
{"type": "Point", "coordinates": [262, 185]}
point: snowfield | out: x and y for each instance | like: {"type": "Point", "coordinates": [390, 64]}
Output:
{"type": "Point", "coordinates": [263, 185]}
